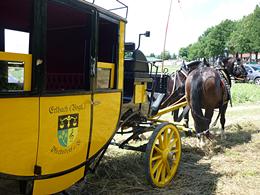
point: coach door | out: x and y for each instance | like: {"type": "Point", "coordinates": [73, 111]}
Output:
{"type": "Point", "coordinates": [107, 95]}
{"type": "Point", "coordinates": [65, 104]}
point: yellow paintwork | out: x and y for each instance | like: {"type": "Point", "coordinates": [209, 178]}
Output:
{"type": "Point", "coordinates": [170, 108]}
{"type": "Point", "coordinates": [140, 93]}
{"type": "Point", "coordinates": [110, 66]}
{"type": "Point", "coordinates": [27, 59]}
{"type": "Point", "coordinates": [121, 55]}
{"type": "Point", "coordinates": [52, 156]}
{"type": "Point", "coordinates": [19, 135]}
{"type": "Point", "coordinates": [105, 117]}
{"type": "Point", "coordinates": [165, 155]}
{"type": "Point", "coordinates": [57, 184]}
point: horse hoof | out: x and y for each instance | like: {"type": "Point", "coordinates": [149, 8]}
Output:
{"type": "Point", "coordinates": [223, 136]}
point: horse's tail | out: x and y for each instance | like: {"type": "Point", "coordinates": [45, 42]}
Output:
{"type": "Point", "coordinates": [196, 103]}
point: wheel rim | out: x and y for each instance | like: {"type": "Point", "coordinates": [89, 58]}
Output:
{"type": "Point", "coordinates": [257, 81]}
{"type": "Point", "coordinates": [165, 155]}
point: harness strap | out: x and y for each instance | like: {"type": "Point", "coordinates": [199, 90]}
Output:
{"type": "Point", "coordinates": [173, 87]}
{"type": "Point", "coordinates": [226, 85]}
{"type": "Point", "coordinates": [184, 73]}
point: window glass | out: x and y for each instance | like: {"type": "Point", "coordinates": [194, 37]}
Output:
{"type": "Point", "coordinates": [129, 55]}
{"type": "Point", "coordinates": [11, 76]}
{"type": "Point", "coordinates": [68, 48]}
{"type": "Point", "coordinates": [103, 78]}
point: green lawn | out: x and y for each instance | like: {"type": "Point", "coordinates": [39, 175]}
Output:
{"type": "Point", "coordinates": [245, 93]}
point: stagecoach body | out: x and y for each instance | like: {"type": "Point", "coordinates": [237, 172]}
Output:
{"type": "Point", "coordinates": [60, 97]}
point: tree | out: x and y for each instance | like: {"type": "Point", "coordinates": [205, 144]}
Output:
{"type": "Point", "coordinates": [183, 53]}
{"type": "Point", "coordinates": [165, 55]}
{"type": "Point", "coordinates": [254, 35]}
{"type": "Point", "coordinates": [152, 55]}
{"type": "Point", "coordinates": [174, 56]}
{"type": "Point", "coordinates": [217, 39]}
{"type": "Point", "coordinates": [194, 53]}
{"type": "Point", "coordinates": [239, 41]}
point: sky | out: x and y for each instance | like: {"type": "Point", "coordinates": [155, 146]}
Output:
{"type": "Point", "coordinates": [188, 20]}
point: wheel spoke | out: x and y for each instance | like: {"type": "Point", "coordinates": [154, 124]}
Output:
{"type": "Point", "coordinates": [168, 168]}
{"type": "Point", "coordinates": [170, 136]}
{"type": "Point", "coordinates": [157, 164]}
{"type": "Point", "coordinates": [165, 137]}
{"type": "Point", "coordinates": [158, 149]}
{"type": "Point", "coordinates": [173, 143]}
{"type": "Point", "coordinates": [161, 145]}
{"type": "Point", "coordinates": [163, 172]}
{"type": "Point", "coordinates": [156, 157]}
{"type": "Point", "coordinates": [158, 173]}
{"type": "Point", "coordinates": [174, 151]}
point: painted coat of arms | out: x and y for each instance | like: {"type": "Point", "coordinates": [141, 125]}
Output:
{"type": "Point", "coordinates": [67, 129]}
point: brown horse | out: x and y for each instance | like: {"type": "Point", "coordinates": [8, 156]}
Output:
{"type": "Point", "coordinates": [176, 90]}
{"type": "Point", "coordinates": [209, 88]}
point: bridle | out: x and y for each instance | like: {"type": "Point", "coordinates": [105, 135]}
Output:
{"type": "Point", "coordinates": [239, 70]}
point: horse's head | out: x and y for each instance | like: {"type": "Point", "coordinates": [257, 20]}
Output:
{"type": "Point", "coordinates": [175, 87]}
{"type": "Point", "coordinates": [235, 67]}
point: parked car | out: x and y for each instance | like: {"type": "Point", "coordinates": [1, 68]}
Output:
{"type": "Point", "coordinates": [253, 73]}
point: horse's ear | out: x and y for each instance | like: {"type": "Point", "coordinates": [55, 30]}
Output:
{"type": "Point", "coordinates": [237, 55]}
{"type": "Point", "coordinates": [205, 62]}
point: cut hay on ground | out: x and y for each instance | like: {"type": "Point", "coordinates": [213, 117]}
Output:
{"type": "Point", "coordinates": [225, 167]}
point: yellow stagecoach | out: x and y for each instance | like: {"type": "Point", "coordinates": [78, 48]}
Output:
{"type": "Point", "coordinates": [61, 94]}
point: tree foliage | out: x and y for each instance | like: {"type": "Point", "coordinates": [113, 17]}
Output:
{"type": "Point", "coordinates": [240, 36]}
{"type": "Point", "coordinates": [165, 55]}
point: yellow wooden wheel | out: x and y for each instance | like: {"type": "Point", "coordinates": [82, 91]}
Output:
{"type": "Point", "coordinates": [163, 154]}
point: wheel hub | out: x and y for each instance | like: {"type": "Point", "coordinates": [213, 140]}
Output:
{"type": "Point", "coordinates": [165, 155]}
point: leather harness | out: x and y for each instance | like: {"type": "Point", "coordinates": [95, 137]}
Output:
{"type": "Point", "coordinates": [226, 85]}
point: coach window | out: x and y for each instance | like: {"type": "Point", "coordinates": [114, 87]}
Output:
{"type": "Point", "coordinates": [15, 35]}
{"type": "Point", "coordinates": [108, 32]}
{"type": "Point", "coordinates": [68, 48]}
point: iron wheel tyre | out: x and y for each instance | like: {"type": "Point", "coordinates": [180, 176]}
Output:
{"type": "Point", "coordinates": [163, 154]}
{"type": "Point", "coordinates": [257, 81]}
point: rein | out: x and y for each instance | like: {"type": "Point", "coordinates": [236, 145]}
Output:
{"type": "Point", "coordinates": [238, 78]}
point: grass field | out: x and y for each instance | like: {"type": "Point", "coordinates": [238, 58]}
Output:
{"type": "Point", "coordinates": [244, 93]}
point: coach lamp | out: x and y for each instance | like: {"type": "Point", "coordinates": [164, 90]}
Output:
{"type": "Point", "coordinates": [146, 34]}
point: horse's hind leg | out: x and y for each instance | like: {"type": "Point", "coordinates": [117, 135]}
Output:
{"type": "Point", "coordinates": [175, 114]}
{"type": "Point", "coordinates": [204, 126]}
{"type": "Point", "coordinates": [223, 120]}
{"type": "Point", "coordinates": [186, 119]}
{"type": "Point", "coordinates": [208, 115]}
